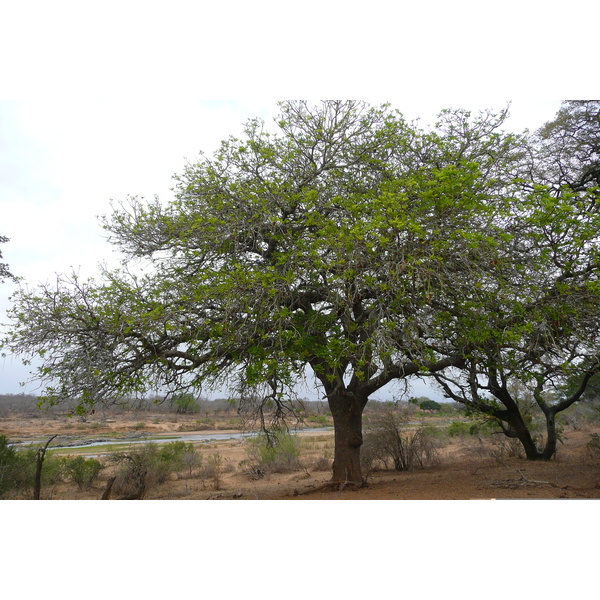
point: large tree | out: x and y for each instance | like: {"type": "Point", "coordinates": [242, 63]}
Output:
{"type": "Point", "coordinates": [532, 326]}
{"type": "Point", "coordinates": [328, 245]}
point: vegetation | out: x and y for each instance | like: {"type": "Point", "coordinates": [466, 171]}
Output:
{"type": "Point", "coordinates": [4, 272]}
{"type": "Point", "coordinates": [141, 469]}
{"type": "Point", "coordinates": [185, 403]}
{"type": "Point", "coordinates": [430, 405]}
{"type": "Point", "coordinates": [26, 471]}
{"type": "Point", "coordinates": [357, 245]}
{"type": "Point", "coordinates": [528, 329]}
{"type": "Point", "coordinates": [83, 471]}
{"type": "Point", "coordinates": [277, 452]}
{"type": "Point", "coordinates": [390, 439]}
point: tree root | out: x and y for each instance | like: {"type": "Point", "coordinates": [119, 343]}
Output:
{"type": "Point", "coordinates": [331, 486]}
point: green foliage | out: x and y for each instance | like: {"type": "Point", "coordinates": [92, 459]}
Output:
{"type": "Point", "coordinates": [83, 471]}
{"type": "Point", "coordinates": [461, 429]}
{"type": "Point", "coordinates": [8, 466]}
{"type": "Point", "coordinates": [323, 243]}
{"type": "Point", "coordinates": [18, 468]}
{"type": "Point", "coordinates": [185, 403]}
{"type": "Point", "coordinates": [4, 272]}
{"type": "Point", "coordinates": [273, 453]}
{"type": "Point", "coordinates": [351, 241]}
{"type": "Point", "coordinates": [317, 420]}
{"type": "Point", "coordinates": [143, 468]}
{"type": "Point", "coordinates": [430, 405]}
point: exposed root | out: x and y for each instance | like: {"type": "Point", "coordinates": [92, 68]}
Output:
{"type": "Point", "coordinates": [331, 486]}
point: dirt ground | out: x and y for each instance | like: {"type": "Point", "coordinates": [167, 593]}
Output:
{"type": "Point", "coordinates": [470, 467]}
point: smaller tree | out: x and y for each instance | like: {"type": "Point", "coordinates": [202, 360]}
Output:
{"type": "Point", "coordinates": [430, 405]}
{"type": "Point", "coordinates": [83, 471]}
{"type": "Point", "coordinates": [185, 403]}
{"type": "Point", "coordinates": [530, 324]}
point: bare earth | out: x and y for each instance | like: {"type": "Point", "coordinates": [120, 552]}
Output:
{"type": "Point", "coordinates": [470, 468]}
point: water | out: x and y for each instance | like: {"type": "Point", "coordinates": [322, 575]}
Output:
{"type": "Point", "coordinates": [183, 437]}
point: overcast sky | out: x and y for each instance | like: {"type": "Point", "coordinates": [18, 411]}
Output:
{"type": "Point", "coordinates": [62, 162]}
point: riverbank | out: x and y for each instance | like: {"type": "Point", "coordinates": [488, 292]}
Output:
{"type": "Point", "coordinates": [470, 467]}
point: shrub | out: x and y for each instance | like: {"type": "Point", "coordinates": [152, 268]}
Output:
{"type": "Point", "coordinates": [459, 429]}
{"type": "Point", "coordinates": [174, 457]}
{"type": "Point", "coordinates": [135, 475]}
{"type": "Point", "coordinates": [18, 468]}
{"type": "Point", "coordinates": [82, 471]}
{"type": "Point", "coordinates": [274, 453]}
{"type": "Point", "coordinates": [388, 440]}
{"type": "Point", "coordinates": [593, 445]}
{"type": "Point", "coordinates": [8, 466]}
{"type": "Point", "coordinates": [322, 463]}
{"type": "Point", "coordinates": [214, 470]}
{"type": "Point", "coordinates": [430, 405]}
{"type": "Point", "coordinates": [141, 469]}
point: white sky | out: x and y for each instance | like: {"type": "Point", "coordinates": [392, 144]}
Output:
{"type": "Point", "coordinates": [62, 161]}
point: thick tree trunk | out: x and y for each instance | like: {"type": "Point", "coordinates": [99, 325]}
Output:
{"type": "Point", "coordinates": [346, 410]}
{"type": "Point", "coordinates": [531, 450]}
{"type": "Point", "coordinates": [524, 436]}
{"type": "Point", "coordinates": [550, 449]}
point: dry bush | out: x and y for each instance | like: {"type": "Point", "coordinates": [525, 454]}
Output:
{"type": "Point", "coordinates": [322, 463]}
{"type": "Point", "coordinates": [505, 447]}
{"type": "Point", "coordinates": [593, 446]}
{"type": "Point", "coordinates": [278, 452]}
{"type": "Point", "coordinates": [214, 469]}
{"type": "Point", "coordinates": [391, 441]}
{"type": "Point", "coordinates": [143, 468]}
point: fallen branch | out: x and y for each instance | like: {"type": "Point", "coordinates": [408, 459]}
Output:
{"type": "Point", "coordinates": [522, 481]}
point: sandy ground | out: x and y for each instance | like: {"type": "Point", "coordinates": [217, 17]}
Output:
{"type": "Point", "coordinates": [470, 468]}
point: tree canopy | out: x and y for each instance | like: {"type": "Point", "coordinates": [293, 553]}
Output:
{"type": "Point", "coordinates": [534, 325]}
{"type": "Point", "coordinates": [348, 241]}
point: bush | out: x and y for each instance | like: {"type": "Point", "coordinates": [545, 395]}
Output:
{"type": "Point", "coordinates": [82, 471]}
{"type": "Point", "coordinates": [430, 405]}
{"type": "Point", "coordinates": [322, 463]}
{"type": "Point", "coordinates": [8, 467]}
{"type": "Point", "coordinates": [593, 445]}
{"type": "Point", "coordinates": [18, 468]}
{"type": "Point", "coordinates": [273, 453]}
{"type": "Point", "coordinates": [175, 456]}
{"type": "Point", "coordinates": [461, 429]}
{"type": "Point", "coordinates": [144, 468]}
{"type": "Point", "coordinates": [214, 470]}
{"type": "Point", "coordinates": [388, 440]}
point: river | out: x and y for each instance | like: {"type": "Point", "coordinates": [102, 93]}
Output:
{"type": "Point", "coordinates": [64, 442]}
